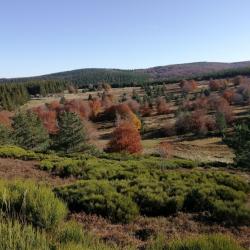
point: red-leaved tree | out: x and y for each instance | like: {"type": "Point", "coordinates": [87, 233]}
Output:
{"type": "Point", "coordinates": [162, 106]}
{"type": "Point", "coordinates": [125, 138]}
{"type": "Point", "coordinates": [5, 118]}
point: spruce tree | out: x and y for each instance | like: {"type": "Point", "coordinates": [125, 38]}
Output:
{"type": "Point", "coordinates": [71, 136]}
{"type": "Point", "coordinates": [5, 135]}
{"type": "Point", "coordinates": [30, 133]}
{"type": "Point", "coordinates": [221, 123]}
{"type": "Point", "coordinates": [239, 141]}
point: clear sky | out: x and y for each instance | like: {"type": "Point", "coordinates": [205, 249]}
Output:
{"type": "Point", "coordinates": [45, 36]}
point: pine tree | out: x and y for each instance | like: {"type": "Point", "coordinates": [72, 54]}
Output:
{"type": "Point", "coordinates": [221, 123]}
{"type": "Point", "coordinates": [71, 136]}
{"type": "Point", "coordinates": [240, 143]}
{"type": "Point", "coordinates": [5, 135]}
{"type": "Point", "coordinates": [30, 133]}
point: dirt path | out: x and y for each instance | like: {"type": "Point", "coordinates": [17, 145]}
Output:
{"type": "Point", "coordinates": [17, 169]}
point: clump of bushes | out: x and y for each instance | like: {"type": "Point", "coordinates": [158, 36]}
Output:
{"type": "Point", "coordinates": [23, 237]}
{"type": "Point", "coordinates": [18, 153]}
{"type": "Point", "coordinates": [35, 204]}
{"type": "Point", "coordinates": [33, 218]}
{"type": "Point", "coordinates": [156, 192]}
{"type": "Point", "coordinates": [99, 197]}
{"type": "Point", "coordinates": [15, 152]}
{"type": "Point", "coordinates": [94, 168]}
{"type": "Point", "coordinates": [68, 235]}
{"type": "Point", "coordinates": [64, 167]}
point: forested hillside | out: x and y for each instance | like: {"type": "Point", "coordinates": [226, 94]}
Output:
{"type": "Point", "coordinates": [16, 91]}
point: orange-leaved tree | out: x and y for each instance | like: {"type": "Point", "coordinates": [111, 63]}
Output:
{"type": "Point", "coordinates": [5, 118]}
{"type": "Point", "coordinates": [162, 106]}
{"type": "Point", "coordinates": [95, 107]}
{"type": "Point", "coordinates": [125, 138]}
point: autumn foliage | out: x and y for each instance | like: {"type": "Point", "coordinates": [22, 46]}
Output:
{"type": "Point", "coordinates": [221, 105]}
{"type": "Point", "coordinates": [77, 106]}
{"type": "Point", "coordinates": [215, 85]}
{"type": "Point", "coordinates": [95, 107]}
{"type": "Point", "coordinates": [165, 150]}
{"type": "Point", "coordinates": [145, 109]}
{"type": "Point", "coordinates": [162, 106]}
{"type": "Point", "coordinates": [228, 95]}
{"type": "Point", "coordinates": [122, 112]}
{"type": "Point", "coordinates": [48, 118]}
{"type": "Point", "coordinates": [197, 122]}
{"type": "Point", "coordinates": [125, 138]}
{"type": "Point", "coordinates": [188, 86]}
{"type": "Point", "coordinates": [5, 118]}
{"type": "Point", "coordinates": [134, 106]}
{"type": "Point", "coordinates": [48, 113]}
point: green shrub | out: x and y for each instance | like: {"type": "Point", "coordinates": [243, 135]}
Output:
{"type": "Point", "coordinates": [198, 199]}
{"type": "Point", "coordinates": [5, 135]}
{"type": "Point", "coordinates": [239, 141]}
{"type": "Point", "coordinates": [232, 213]}
{"type": "Point", "coordinates": [21, 237]}
{"type": "Point", "coordinates": [46, 165]}
{"type": "Point", "coordinates": [69, 232]}
{"type": "Point", "coordinates": [99, 197]}
{"type": "Point", "coordinates": [17, 153]}
{"type": "Point", "coordinates": [158, 192]}
{"type": "Point", "coordinates": [71, 236]}
{"type": "Point", "coordinates": [68, 236]}
{"type": "Point", "coordinates": [159, 243]}
{"type": "Point", "coordinates": [33, 203]}
{"type": "Point", "coordinates": [211, 242]}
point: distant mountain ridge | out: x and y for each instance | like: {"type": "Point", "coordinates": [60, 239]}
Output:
{"type": "Point", "coordinates": [191, 69]}
{"type": "Point", "coordinates": [94, 75]}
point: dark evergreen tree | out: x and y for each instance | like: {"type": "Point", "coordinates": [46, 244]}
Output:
{"type": "Point", "coordinates": [221, 123]}
{"type": "Point", "coordinates": [30, 133]}
{"type": "Point", "coordinates": [72, 135]}
{"type": "Point", "coordinates": [239, 141]}
{"type": "Point", "coordinates": [5, 135]}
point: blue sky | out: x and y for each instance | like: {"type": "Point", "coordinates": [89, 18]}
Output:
{"type": "Point", "coordinates": [45, 36]}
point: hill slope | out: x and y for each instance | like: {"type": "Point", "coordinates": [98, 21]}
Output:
{"type": "Point", "coordinates": [191, 69]}
{"type": "Point", "coordinates": [118, 77]}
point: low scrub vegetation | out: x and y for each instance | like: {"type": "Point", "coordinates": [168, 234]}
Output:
{"type": "Point", "coordinates": [14, 235]}
{"type": "Point", "coordinates": [33, 218]}
{"type": "Point", "coordinates": [157, 192]}
{"type": "Point", "coordinates": [206, 242]}
{"type": "Point", "coordinates": [35, 204]}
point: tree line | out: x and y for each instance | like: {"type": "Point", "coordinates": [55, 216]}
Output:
{"type": "Point", "coordinates": [13, 94]}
